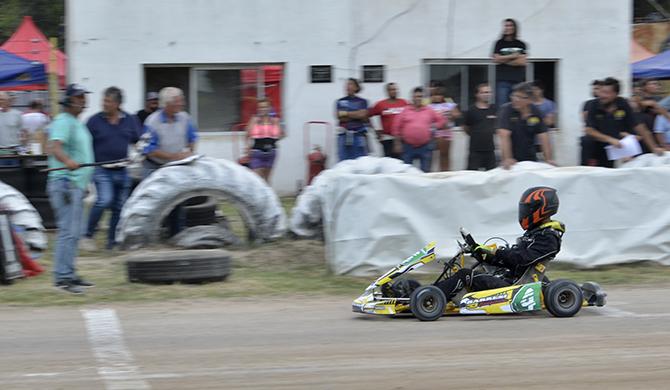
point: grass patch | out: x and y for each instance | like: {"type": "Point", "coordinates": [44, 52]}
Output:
{"type": "Point", "coordinates": [281, 268]}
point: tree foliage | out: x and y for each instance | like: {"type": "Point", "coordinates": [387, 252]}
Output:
{"type": "Point", "coordinates": [49, 16]}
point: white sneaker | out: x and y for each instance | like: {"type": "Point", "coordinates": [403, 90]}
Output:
{"type": "Point", "coordinates": [87, 244]}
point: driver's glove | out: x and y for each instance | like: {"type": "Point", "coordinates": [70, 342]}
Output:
{"type": "Point", "coordinates": [484, 253]}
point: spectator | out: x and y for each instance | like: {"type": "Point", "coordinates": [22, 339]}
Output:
{"type": "Point", "coordinates": [586, 142]}
{"type": "Point", "coordinates": [662, 131]}
{"type": "Point", "coordinates": [610, 119]}
{"type": "Point", "coordinates": [412, 129]}
{"type": "Point", "coordinates": [449, 110]}
{"type": "Point", "coordinates": [510, 54]}
{"type": "Point", "coordinates": [546, 106]}
{"type": "Point", "coordinates": [150, 106]}
{"type": "Point", "coordinates": [480, 124]}
{"type": "Point", "coordinates": [595, 87]}
{"type": "Point", "coordinates": [647, 101]}
{"type": "Point", "coordinates": [519, 125]}
{"type": "Point", "coordinates": [172, 137]}
{"type": "Point", "coordinates": [388, 109]}
{"type": "Point", "coordinates": [34, 120]}
{"type": "Point", "coordinates": [352, 113]}
{"type": "Point", "coordinates": [10, 126]}
{"type": "Point", "coordinates": [264, 131]}
{"type": "Point", "coordinates": [112, 130]}
{"type": "Point", "coordinates": [69, 147]}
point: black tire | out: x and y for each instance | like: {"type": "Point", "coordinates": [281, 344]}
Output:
{"type": "Point", "coordinates": [196, 201]}
{"type": "Point", "coordinates": [563, 298]}
{"type": "Point", "coordinates": [427, 303]}
{"type": "Point", "coordinates": [186, 266]}
{"type": "Point", "coordinates": [201, 213]}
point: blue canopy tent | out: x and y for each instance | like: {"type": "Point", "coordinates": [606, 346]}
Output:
{"type": "Point", "coordinates": [17, 73]}
{"type": "Point", "coordinates": [656, 67]}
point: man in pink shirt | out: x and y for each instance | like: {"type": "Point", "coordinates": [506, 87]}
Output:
{"type": "Point", "coordinates": [413, 131]}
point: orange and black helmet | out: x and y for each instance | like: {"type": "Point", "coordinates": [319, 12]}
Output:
{"type": "Point", "coordinates": [536, 205]}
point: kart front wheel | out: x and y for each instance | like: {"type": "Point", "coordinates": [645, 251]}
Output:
{"type": "Point", "coordinates": [563, 298]}
{"type": "Point", "coordinates": [427, 303]}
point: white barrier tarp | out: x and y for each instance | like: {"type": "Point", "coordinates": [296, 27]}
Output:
{"type": "Point", "coordinates": [372, 222]}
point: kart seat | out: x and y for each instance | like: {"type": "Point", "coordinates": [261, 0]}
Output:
{"type": "Point", "coordinates": [534, 273]}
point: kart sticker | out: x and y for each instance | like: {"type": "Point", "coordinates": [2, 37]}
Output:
{"type": "Point", "coordinates": [527, 298]}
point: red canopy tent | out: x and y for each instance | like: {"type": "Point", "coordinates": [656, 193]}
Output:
{"type": "Point", "coordinates": [29, 42]}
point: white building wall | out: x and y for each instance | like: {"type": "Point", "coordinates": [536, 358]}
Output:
{"type": "Point", "coordinates": [109, 41]}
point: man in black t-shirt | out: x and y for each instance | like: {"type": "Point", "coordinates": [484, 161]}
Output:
{"type": "Point", "coordinates": [510, 54]}
{"type": "Point", "coordinates": [150, 106]}
{"type": "Point", "coordinates": [519, 125]}
{"type": "Point", "coordinates": [585, 141]}
{"type": "Point", "coordinates": [480, 125]}
{"type": "Point", "coordinates": [610, 119]}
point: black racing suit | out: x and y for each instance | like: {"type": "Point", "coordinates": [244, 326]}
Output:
{"type": "Point", "coordinates": [538, 244]}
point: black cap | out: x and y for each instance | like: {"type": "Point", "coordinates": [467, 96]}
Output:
{"type": "Point", "coordinates": [75, 90]}
{"type": "Point", "coordinates": [152, 96]}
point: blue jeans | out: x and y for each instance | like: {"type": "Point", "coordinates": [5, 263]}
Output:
{"type": "Point", "coordinates": [351, 146]}
{"type": "Point", "coordinates": [503, 90]}
{"type": "Point", "coordinates": [424, 153]}
{"type": "Point", "coordinates": [67, 201]}
{"type": "Point", "coordinates": [112, 186]}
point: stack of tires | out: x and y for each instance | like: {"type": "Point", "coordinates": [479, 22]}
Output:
{"type": "Point", "coordinates": [184, 266]}
{"type": "Point", "coordinates": [36, 192]}
{"type": "Point", "coordinates": [200, 210]}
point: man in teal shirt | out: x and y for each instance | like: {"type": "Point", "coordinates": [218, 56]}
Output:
{"type": "Point", "coordinates": [70, 146]}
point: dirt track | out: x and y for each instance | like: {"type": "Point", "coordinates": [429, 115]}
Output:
{"type": "Point", "coordinates": [312, 344]}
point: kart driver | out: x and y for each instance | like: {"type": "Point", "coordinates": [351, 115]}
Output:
{"type": "Point", "coordinates": [541, 241]}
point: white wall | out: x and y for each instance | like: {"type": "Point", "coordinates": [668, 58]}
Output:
{"type": "Point", "coordinates": [109, 41]}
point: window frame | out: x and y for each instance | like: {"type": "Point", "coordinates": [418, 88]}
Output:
{"type": "Point", "coordinates": [464, 63]}
{"type": "Point", "coordinates": [192, 104]}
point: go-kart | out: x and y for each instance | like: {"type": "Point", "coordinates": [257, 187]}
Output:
{"type": "Point", "coordinates": [392, 294]}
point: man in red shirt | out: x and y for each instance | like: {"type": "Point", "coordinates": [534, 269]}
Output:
{"type": "Point", "coordinates": [387, 110]}
{"type": "Point", "coordinates": [413, 131]}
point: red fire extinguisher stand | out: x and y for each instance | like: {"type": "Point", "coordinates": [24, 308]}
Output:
{"type": "Point", "coordinates": [316, 155]}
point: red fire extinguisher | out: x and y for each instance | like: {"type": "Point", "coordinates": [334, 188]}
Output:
{"type": "Point", "coordinates": [316, 159]}
{"type": "Point", "coordinates": [317, 163]}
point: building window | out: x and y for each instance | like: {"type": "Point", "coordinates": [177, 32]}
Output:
{"type": "Point", "coordinates": [461, 77]}
{"type": "Point", "coordinates": [321, 74]}
{"type": "Point", "coordinates": [373, 73]}
{"type": "Point", "coordinates": [220, 97]}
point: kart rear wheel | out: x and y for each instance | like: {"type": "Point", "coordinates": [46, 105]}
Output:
{"type": "Point", "coordinates": [563, 298]}
{"type": "Point", "coordinates": [427, 303]}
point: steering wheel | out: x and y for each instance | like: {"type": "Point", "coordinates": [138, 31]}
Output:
{"type": "Point", "coordinates": [471, 244]}
{"type": "Point", "coordinates": [468, 238]}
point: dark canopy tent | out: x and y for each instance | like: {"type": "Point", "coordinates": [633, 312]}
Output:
{"type": "Point", "coordinates": [656, 67]}
{"type": "Point", "coordinates": [18, 74]}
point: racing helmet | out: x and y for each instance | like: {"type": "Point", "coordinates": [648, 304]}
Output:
{"type": "Point", "coordinates": [536, 205]}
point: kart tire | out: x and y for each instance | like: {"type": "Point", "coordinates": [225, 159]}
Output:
{"type": "Point", "coordinates": [185, 266]}
{"type": "Point", "coordinates": [563, 298]}
{"type": "Point", "coordinates": [167, 187]}
{"type": "Point", "coordinates": [427, 303]}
